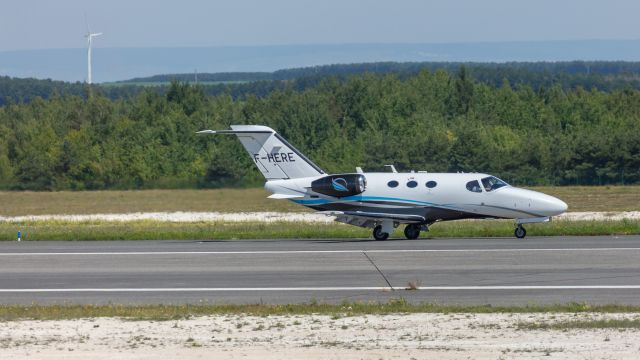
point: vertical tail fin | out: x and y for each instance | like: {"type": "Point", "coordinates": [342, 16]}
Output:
{"type": "Point", "coordinates": [273, 155]}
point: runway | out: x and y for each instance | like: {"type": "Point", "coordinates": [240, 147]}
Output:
{"type": "Point", "coordinates": [498, 271]}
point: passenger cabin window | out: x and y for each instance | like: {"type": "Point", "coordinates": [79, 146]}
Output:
{"type": "Point", "coordinates": [491, 183]}
{"type": "Point", "coordinates": [431, 184]}
{"type": "Point", "coordinates": [392, 184]}
{"type": "Point", "coordinates": [412, 184]}
{"type": "Point", "coordinates": [474, 186]}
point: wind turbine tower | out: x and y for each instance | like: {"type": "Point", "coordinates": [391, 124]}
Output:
{"type": "Point", "coordinates": [90, 37]}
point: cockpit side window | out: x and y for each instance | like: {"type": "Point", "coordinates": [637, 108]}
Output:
{"type": "Point", "coordinates": [491, 183]}
{"type": "Point", "coordinates": [474, 186]}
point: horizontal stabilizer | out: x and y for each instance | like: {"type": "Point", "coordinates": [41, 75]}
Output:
{"type": "Point", "coordinates": [232, 132]}
{"type": "Point", "coordinates": [285, 196]}
{"type": "Point", "coordinates": [378, 216]}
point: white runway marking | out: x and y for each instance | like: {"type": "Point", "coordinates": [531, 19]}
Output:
{"type": "Point", "coordinates": [276, 252]}
{"type": "Point", "coordinates": [338, 288]}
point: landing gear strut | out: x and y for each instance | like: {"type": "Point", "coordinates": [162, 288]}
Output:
{"type": "Point", "coordinates": [412, 231]}
{"type": "Point", "coordinates": [520, 232]}
{"type": "Point", "coordinates": [378, 234]}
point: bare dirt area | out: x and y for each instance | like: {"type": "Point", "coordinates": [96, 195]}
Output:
{"type": "Point", "coordinates": [402, 336]}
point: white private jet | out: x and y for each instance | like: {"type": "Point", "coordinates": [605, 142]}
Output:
{"type": "Point", "coordinates": [383, 201]}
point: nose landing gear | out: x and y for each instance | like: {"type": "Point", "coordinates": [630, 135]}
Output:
{"type": "Point", "coordinates": [383, 229]}
{"type": "Point", "coordinates": [520, 232]}
{"type": "Point", "coordinates": [378, 234]}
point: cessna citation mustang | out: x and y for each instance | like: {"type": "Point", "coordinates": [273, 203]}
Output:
{"type": "Point", "coordinates": [383, 201]}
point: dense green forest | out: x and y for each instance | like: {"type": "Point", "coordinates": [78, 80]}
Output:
{"type": "Point", "coordinates": [433, 120]}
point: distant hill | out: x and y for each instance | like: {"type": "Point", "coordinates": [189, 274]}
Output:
{"type": "Point", "coordinates": [602, 75]}
{"type": "Point", "coordinates": [114, 64]}
{"type": "Point", "coordinates": [515, 72]}
{"type": "Point", "coordinates": [206, 77]}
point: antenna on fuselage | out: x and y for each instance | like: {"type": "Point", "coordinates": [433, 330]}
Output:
{"type": "Point", "coordinates": [393, 168]}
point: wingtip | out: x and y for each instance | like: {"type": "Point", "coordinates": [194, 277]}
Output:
{"type": "Point", "coordinates": [284, 196]}
{"type": "Point", "coordinates": [206, 132]}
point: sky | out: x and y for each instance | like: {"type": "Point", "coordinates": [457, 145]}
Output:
{"type": "Point", "coordinates": [46, 24]}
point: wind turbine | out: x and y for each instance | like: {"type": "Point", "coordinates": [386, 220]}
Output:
{"type": "Point", "coordinates": [89, 37]}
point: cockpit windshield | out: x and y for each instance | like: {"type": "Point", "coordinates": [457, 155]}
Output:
{"type": "Point", "coordinates": [491, 183]}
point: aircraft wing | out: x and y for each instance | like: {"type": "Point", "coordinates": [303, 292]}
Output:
{"type": "Point", "coordinates": [404, 218]}
{"type": "Point", "coordinates": [284, 196]}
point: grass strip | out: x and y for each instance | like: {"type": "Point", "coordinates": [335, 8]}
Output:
{"type": "Point", "coordinates": [582, 324]}
{"type": "Point", "coordinates": [344, 309]}
{"type": "Point", "coordinates": [159, 230]}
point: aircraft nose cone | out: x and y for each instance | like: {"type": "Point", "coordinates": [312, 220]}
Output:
{"type": "Point", "coordinates": [563, 206]}
{"type": "Point", "coordinates": [551, 206]}
{"type": "Point", "coordinates": [559, 206]}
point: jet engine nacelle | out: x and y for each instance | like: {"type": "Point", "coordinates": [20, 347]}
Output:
{"type": "Point", "coordinates": [340, 185]}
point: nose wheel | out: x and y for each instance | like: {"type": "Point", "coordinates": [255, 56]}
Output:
{"type": "Point", "coordinates": [520, 232]}
{"type": "Point", "coordinates": [378, 234]}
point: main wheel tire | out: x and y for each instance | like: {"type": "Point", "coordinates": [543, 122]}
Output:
{"type": "Point", "coordinates": [378, 234]}
{"type": "Point", "coordinates": [412, 231]}
{"type": "Point", "coordinates": [520, 232]}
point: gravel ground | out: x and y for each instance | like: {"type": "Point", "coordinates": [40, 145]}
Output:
{"type": "Point", "coordinates": [402, 336]}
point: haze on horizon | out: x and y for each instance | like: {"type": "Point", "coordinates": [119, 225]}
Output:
{"type": "Point", "coordinates": [41, 24]}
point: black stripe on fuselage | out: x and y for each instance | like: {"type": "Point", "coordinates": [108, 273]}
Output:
{"type": "Point", "coordinates": [430, 213]}
{"type": "Point", "coordinates": [414, 206]}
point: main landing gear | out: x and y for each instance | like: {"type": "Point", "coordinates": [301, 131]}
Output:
{"type": "Point", "coordinates": [412, 231]}
{"type": "Point", "coordinates": [520, 232]}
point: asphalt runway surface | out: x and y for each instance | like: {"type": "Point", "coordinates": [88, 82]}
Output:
{"type": "Point", "coordinates": [498, 271]}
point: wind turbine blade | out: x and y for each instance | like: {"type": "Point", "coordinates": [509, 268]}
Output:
{"type": "Point", "coordinates": [86, 21]}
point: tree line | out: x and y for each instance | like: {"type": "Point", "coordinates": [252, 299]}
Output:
{"type": "Point", "coordinates": [439, 121]}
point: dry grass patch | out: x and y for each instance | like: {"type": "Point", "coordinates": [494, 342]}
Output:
{"type": "Point", "coordinates": [98, 202]}
{"type": "Point", "coordinates": [336, 311]}
{"type": "Point", "coordinates": [596, 198]}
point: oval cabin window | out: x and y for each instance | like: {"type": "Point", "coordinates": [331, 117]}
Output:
{"type": "Point", "coordinates": [392, 184]}
{"type": "Point", "coordinates": [474, 186]}
{"type": "Point", "coordinates": [431, 184]}
{"type": "Point", "coordinates": [412, 184]}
